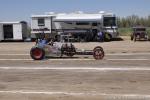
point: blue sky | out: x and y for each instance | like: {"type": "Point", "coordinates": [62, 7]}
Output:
{"type": "Point", "coordinates": [12, 10]}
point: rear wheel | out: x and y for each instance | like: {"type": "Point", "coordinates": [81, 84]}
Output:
{"type": "Point", "coordinates": [37, 53]}
{"type": "Point", "coordinates": [98, 53]}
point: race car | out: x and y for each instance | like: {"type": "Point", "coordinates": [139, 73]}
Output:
{"type": "Point", "coordinates": [58, 49]}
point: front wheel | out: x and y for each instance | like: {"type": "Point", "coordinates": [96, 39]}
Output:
{"type": "Point", "coordinates": [147, 37]}
{"type": "Point", "coordinates": [98, 53]}
{"type": "Point", "coordinates": [132, 37]}
{"type": "Point", "coordinates": [37, 53]}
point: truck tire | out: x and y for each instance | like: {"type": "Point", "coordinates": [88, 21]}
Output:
{"type": "Point", "coordinates": [108, 37]}
{"type": "Point", "coordinates": [98, 53]}
{"type": "Point", "coordinates": [37, 53]}
{"type": "Point", "coordinates": [147, 37]}
{"type": "Point", "coordinates": [132, 37]}
{"type": "Point", "coordinates": [135, 38]}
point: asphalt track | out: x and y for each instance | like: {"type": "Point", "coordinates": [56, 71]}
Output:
{"type": "Point", "coordinates": [119, 76]}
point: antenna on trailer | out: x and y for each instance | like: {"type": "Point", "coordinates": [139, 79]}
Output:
{"type": "Point", "coordinates": [78, 12]}
{"type": "Point", "coordinates": [50, 13]}
{"type": "Point", "coordinates": [101, 12]}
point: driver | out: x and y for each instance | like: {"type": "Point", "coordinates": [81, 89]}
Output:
{"type": "Point", "coordinates": [42, 41]}
{"type": "Point", "coordinates": [51, 42]}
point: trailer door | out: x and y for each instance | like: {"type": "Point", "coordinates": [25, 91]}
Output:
{"type": "Point", "coordinates": [17, 30]}
{"type": "Point", "coordinates": [1, 33]}
{"type": "Point", "coordinates": [8, 31]}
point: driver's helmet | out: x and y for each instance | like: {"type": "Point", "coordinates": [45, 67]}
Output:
{"type": "Point", "coordinates": [42, 36]}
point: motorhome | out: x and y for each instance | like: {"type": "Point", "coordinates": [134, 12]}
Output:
{"type": "Point", "coordinates": [82, 26]}
{"type": "Point", "coordinates": [13, 30]}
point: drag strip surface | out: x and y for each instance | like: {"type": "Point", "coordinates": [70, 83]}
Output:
{"type": "Point", "coordinates": [79, 68]}
{"type": "Point", "coordinates": [104, 95]}
{"type": "Point", "coordinates": [124, 74]}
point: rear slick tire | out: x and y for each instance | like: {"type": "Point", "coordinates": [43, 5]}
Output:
{"type": "Point", "coordinates": [37, 53]}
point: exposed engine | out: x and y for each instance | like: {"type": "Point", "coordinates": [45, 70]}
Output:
{"type": "Point", "coordinates": [68, 49]}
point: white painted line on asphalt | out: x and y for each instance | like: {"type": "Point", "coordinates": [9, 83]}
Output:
{"type": "Point", "coordinates": [133, 96]}
{"type": "Point", "coordinates": [16, 59]}
{"type": "Point", "coordinates": [14, 54]}
{"type": "Point", "coordinates": [73, 59]}
{"type": "Point", "coordinates": [128, 59]}
{"type": "Point", "coordinates": [78, 68]}
{"type": "Point", "coordinates": [127, 54]}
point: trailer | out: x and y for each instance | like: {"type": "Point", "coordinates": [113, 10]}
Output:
{"type": "Point", "coordinates": [83, 26]}
{"type": "Point", "coordinates": [13, 31]}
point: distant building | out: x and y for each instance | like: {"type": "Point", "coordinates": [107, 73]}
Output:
{"type": "Point", "coordinates": [13, 30]}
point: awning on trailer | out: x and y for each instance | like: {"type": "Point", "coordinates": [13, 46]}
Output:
{"type": "Point", "coordinates": [78, 17]}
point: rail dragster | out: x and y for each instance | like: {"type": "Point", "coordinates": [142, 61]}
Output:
{"type": "Point", "coordinates": [57, 49]}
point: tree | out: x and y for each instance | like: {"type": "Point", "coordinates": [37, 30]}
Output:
{"type": "Point", "coordinates": [133, 20]}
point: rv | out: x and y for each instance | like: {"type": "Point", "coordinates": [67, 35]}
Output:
{"type": "Point", "coordinates": [13, 31]}
{"type": "Point", "coordinates": [81, 26]}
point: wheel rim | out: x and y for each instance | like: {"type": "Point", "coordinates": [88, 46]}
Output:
{"type": "Point", "coordinates": [98, 54]}
{"type": "Point", "coordinates": [37, 53]}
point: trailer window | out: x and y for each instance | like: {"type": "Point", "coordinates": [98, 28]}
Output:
{"type": "Point", "coordinates": [82, 23]}
{"type": "Point", "coordinates": [41, 22]}
{"type": "Point", "coordinates": [94, 24]}
{"type": "Point", "coordinates": [140, 29]}
{"type": "Point", "coordinates": [69, 23]}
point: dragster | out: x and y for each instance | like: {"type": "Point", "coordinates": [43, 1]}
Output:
{"type": "Point", "coordinates": [58, 49]}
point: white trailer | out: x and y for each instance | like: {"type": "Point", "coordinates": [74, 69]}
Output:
{"type": "Point", "coordinates": [89, 23]}
{"type": "Point", "coordinates": [13, 31]}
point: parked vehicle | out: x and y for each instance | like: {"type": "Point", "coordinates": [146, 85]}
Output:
{"type": "Point", "coordinates": [139, 33]}
{"type": "Point", "coordinates": [13, 31]}
{"type": "Point", "coordinates": [80, 24]}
